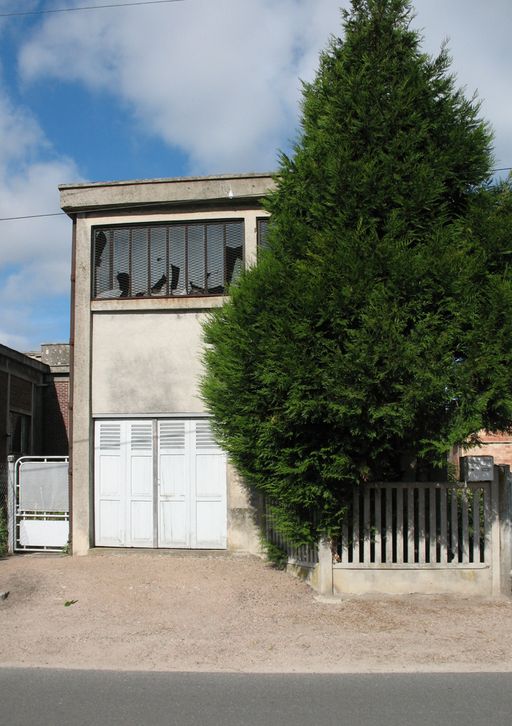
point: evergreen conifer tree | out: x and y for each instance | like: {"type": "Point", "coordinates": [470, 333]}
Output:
{"type": "Point", "coordinates": [376, 330]}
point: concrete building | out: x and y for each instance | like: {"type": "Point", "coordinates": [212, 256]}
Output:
{"type": "Point", "coordinates": [22, 382]}
{"type": "Point", "coordinates": [150, 259]}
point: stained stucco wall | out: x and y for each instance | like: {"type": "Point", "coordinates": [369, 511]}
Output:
{"type": "Point", "coordinates": [146, 363]}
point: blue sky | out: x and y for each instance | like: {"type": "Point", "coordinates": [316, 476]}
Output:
{"type": "Point", "coordinates": [188, 87]}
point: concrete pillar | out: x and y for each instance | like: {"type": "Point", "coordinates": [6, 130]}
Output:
{"type": "Point", "coordinates": [505, 515]}
{"type": "Point", "coordinates": [483, 469]}
{"type": "Point", "coordinates": [11, 503]}
{"type": "Point", "coordinates": [495, 534]}
{"type": "Point", "coordinates": [325, 586]}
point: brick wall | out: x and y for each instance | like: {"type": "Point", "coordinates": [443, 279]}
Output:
{"type": "Point", "coordinates": [498, 445]}
{"type": "Point", "coordinates": [56, 417]}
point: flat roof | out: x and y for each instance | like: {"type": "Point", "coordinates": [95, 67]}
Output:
{"type": "Point", "coordinates": [22, 358]}
{"type": "Point", "coordinates": [166, 180]}
{"type": "Point", "coordinates": [90, 196]}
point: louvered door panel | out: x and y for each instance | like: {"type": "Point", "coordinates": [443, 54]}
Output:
{"type": "Point", "coordinates": [209, 487]}
{"type": "Point", "coordinates": [184, 506]}
{"type": "Point", "coordinates": [173, 485]}
{"type": "Point", "coordinates": [108, 476]}
{"type": "Point", "coordinates": [140, 484]}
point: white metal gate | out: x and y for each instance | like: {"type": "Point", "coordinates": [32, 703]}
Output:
{"type": "Point", "coordinates": [41, 504]}
{"type": "Point", "coordinates": [159, 483]}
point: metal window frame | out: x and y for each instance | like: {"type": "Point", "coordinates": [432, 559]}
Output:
{"type": "Point", "coordinates": [109, 230]}
{"type": "Point", "coordinates": [259, 235]}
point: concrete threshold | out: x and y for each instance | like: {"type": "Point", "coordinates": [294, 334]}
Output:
{"type": "Point", "coordinates": [127, 551]}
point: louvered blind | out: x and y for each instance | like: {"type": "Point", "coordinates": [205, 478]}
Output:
{"type": "Point", "coordinates": [167, 260]}
{"type": "Point", "coordinates": [142, 437]}
{"type": "Point", "coordinates": [110, 436]}
{"type": "Point", "coordinates": [172, 435]}
{"type": "Point", "coordinates": [204, 436]}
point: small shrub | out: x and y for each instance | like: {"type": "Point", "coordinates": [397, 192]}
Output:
{"type": "Point", "coordinates": [275, 555]}
{"type": "Point", "coordinates": [3, 533]}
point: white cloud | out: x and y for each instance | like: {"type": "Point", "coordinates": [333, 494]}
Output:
{"type": "Point", "coordinates": [18, 322]}
{"type": "Point", "coordinates": [32, 189]}
{"type": "Point", "coordinates": [18, 342]}
{"type": "Point", "coordinates": [18, 131]}
{"type": "Point", "coordinates": [218, 79]}
{"type": "Point", "coordinates": [34, 253]}
{"type": "Point", "coordinates": [478, 37]}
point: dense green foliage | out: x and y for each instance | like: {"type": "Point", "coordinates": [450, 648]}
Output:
{"type": "Point", "coordinates": [376, 330]}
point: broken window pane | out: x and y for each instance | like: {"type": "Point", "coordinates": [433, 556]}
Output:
{"type": "Point", "coordinates": [158, 259]}
{"type": "Point", "coordinates": [121, 266]}
{"type": "Point", "coordinates": [196, 262]}
{"type": "Point", "coordinates": [102, 269]}
{"type": "Point", "coordinates": [139, 261]}
{"type": "Point", "coordinates": [234, 251]}
{"type": "Point", "coordinates": [215, 258]}
{"type": "Point", "coordinates": [167, 259]}
{"type": "Point", "coordinates": [177, 260]}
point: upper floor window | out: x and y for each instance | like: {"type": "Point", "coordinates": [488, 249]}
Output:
{"type": "Point", "coordinates": [167, 259]}
{"type": "Point", "coordinates": [262, 231]}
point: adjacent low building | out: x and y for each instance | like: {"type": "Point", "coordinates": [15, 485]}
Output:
{"type": "Point", "coordinates": [22, 382]}
{"type": "Point", "coordinates": [33, 404]}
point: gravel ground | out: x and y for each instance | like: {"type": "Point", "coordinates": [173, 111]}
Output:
{"type": "Point", "coordinates": [155, 611]}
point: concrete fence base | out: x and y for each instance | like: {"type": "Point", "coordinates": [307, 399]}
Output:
{"type": "Point", "coordinates": [428, 538]}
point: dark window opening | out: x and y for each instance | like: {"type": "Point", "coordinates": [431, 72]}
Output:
{"type": "Point", "coordinates": [167, 260]}
{"type": "Point", "coordinates": [262, 232]}
{"type": "Point", "coordinates": [19, 440]}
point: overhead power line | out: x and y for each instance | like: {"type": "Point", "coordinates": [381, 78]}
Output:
{"type": "Point", "coordinates": [32, 216]}
{"type": "Point", "coordinates": [88, 7]}
{"type": "Point", "coordinates": [62, 214]}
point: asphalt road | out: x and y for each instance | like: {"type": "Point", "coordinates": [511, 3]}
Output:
{"type": "Point", "coordinates": [107, 698]}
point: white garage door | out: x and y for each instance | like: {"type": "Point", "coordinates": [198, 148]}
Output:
{"type": "Point", "coordinates": [159, 484]}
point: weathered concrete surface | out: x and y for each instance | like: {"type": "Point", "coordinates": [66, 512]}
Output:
{"type": "Point", "coordinates": [409, 580]}
{"type": "Point", "coordinates": [146, 363]}
{"type": "Point", "coordinates": [197, 190]}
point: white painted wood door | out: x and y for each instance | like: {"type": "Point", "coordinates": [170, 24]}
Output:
{"type": "Point", "coordinates": [191, 486]}
{"type": "Point", "coordinates": [208, 490]}
{"type": "Point", "coordinates": [124, 484]}
{"type": "Point", "coordinates": [173, 484]}
{"type": "Point", "coordinates": [179, 503]}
